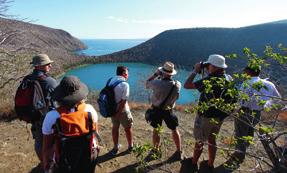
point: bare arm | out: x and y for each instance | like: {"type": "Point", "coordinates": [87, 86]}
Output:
{"type": "Point", "coordinates": [189, 81]}
{"type": "Point", "coordinates": [153, 76]}
{"type": "Point", "coordinates": [121, 107]}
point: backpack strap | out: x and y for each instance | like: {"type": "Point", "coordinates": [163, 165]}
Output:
{"type": "Point", "coordinates": [167, 97]}
{"type": "Point", "coordinates": [116, 83]}
{"type": "Point", "coordinates": [58, 128]}
{"type": "Point", "coordinates": [90, 121]}
{"type": "Point", "coordinates": [108, 82]}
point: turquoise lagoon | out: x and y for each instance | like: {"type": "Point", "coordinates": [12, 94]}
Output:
{"type": "Point", "coordinates": [95, 76]}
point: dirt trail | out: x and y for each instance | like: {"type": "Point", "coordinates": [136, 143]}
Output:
{"type": "Point", "coordinates": [17, 155]}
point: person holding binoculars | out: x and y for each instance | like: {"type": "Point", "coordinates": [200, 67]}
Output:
{"type": "Point", "coordinates": [204, 127]}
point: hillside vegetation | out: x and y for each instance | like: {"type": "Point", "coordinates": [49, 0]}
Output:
{"type": "Point", "coordinates": [19, 41]}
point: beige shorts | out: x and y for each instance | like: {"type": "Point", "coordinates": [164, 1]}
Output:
{"type": "Point", "coordinates": [126, 120]}
{"type": "Point", "coordinates": [205, 127]}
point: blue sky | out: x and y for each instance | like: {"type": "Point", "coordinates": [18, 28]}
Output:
{"type": "Point", "coordinates": [115, 19]}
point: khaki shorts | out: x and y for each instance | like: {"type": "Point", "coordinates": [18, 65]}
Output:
{"type": "Point", "coordinates": [205, 127]}
{"type": "Point", "coordinates": [126, 120]}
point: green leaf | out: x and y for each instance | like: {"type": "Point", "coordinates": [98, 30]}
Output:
{"type": "Point", "coordinates": [266, 129]}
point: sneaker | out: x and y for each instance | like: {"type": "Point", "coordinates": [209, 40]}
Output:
{"type": "Point", "coordinates": [238, 157]}
{"type": "Point", "coordinates": [193, 168]}
{"type": "Point", "coordinates": [114, 151]}
{"type": "Point", "coordinates": [209, 169]}
{"type": "Point", "coordinates": [178, 155]}
{"type": "Point", "coordinates": [130, 149]}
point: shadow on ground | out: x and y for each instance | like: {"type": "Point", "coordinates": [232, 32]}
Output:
{"type": "Point", "coordinates": [108, 156]}
{"type": "Point", "coordinates": [37, 169]}
{"type": "Point", "coordinates": [186, 167]}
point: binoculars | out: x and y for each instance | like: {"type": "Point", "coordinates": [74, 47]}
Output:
{"type": "Point", "coordinates": [202, 66]}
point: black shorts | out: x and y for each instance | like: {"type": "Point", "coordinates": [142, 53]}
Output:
{"type": "Point", "coordinates": [169, 118]}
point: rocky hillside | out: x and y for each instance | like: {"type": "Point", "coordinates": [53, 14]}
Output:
{"type": "Point", "coordinates": [185, 47]}
{"type": "Point", "coordinates": [19, 41]}
{"type": "Point", "coordinates": [20, 37]}
{"type": "Point", "coordinates": [37, 36]}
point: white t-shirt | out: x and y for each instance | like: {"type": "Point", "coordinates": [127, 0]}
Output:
{"type": "Point", "coordinates": [53, 115]}
{"type": "Point", "coordinates": [122, 90]}
{"type": "Point", "coordinates": [269, 89]}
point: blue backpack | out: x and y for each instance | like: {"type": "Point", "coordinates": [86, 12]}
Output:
{"type": "Point", "coordinates": [106, 101]}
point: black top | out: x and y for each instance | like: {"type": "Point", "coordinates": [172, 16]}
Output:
{"type": "Point", "coordinates": [217, 90]}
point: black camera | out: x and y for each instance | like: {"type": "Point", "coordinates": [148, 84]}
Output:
{"type": "Point", "coordinates": [203, 65]}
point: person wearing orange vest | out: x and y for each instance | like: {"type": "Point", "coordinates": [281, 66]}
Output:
{"type": "Point", "coordinates": [72, 116]}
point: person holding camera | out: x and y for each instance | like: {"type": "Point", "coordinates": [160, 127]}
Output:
{"type": "Point", "coordinates": [165, 93]}
{"type": "Point", "coordinates": [209, 119]}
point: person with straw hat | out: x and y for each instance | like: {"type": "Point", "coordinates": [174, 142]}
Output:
{"type": "Point", "coordinates": [165, 93]}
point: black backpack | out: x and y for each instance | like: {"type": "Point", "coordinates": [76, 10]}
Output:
{"type": "Point", "coordinates": [30, 103]}
{"type": "Point", "coordinates": [106, 101]}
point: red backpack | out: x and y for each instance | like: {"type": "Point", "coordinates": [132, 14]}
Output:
{"type": "Point", "coordinates": [30, 103]}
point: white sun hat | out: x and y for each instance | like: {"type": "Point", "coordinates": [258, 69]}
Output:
{"type": "Point", "coordinates": [217, 60]}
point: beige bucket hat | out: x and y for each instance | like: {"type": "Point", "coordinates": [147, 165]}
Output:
{"type": "Point", "coordinates": [41, 59]}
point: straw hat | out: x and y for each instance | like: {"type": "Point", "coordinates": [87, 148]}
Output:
{"type": "Point", "coordinates": [168, 68]}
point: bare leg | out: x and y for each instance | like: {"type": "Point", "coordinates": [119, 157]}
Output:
{"type": "Point", "coordinates": [211, 150]}
{"type": "Point", "coordinates": [129, 136]}
{"type": "Point", "coordinates": [197, 152]}
{"type": "Point", "coordinates": [176, 139]}
{"type": "Point", "coordinates": [155, 139]}
{"type": "Point", "coordinates": [115, 134]}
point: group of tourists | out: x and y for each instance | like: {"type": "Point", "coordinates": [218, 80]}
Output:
{"type": "Point", "coordinates": [71, 125]}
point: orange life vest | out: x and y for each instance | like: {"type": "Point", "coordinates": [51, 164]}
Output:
{"type": "Point", "coordinates": [73, 124]}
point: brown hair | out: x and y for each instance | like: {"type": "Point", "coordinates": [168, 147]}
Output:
{"type": "Point", "coordinates": [121, 70]}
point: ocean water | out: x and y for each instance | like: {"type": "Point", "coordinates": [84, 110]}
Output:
{"type": "Point", "coordinates": [95, 76]}
{"type": "Point", "coordinates": [107, 46]}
